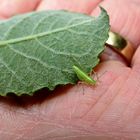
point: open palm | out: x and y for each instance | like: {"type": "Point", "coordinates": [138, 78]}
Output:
{"type": "Point", "coordinates": [110, 110]}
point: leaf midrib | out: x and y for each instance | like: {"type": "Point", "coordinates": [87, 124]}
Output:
{"type": "Point", "coordinates": [30, 37]}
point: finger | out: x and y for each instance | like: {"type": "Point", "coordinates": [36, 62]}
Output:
{"type": "Point", "coordinates": [136, 61]}
{"type": "Point", "coordinates": [9, 8]}
{"type": "Point", "coordinates": [2, 17]}
{"type": "Point", "coordinates": [112, 54]}
{"type": "Point", "coordinates": [83, 6]}
{"type": "Point", "coordinates": [124, 18]}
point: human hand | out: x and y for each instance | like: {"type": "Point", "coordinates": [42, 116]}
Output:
{"type": "Point", "coordinates": [110, 110]}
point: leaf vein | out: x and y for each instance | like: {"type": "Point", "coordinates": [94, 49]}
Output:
{"type": "Point", "coordinates": [38, 60]}
{"type": "Point", "coordinates": [13, 72]}
{"type": "Point", "coordinates": [12, 41]}
{"type": "Point", "coordinates": [59, 53]}
{"type": "Point", "coordinates": [14, 26]}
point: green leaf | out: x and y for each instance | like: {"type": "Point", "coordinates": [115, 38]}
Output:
{"type": "Point", "coordinates": [38, 50]}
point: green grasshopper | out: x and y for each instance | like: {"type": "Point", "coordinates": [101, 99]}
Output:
{"type": "Point", "coordinates": [83, 76]}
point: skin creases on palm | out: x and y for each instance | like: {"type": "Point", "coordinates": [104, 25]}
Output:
{"type": "Point", "coordinates": [109, 110]}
